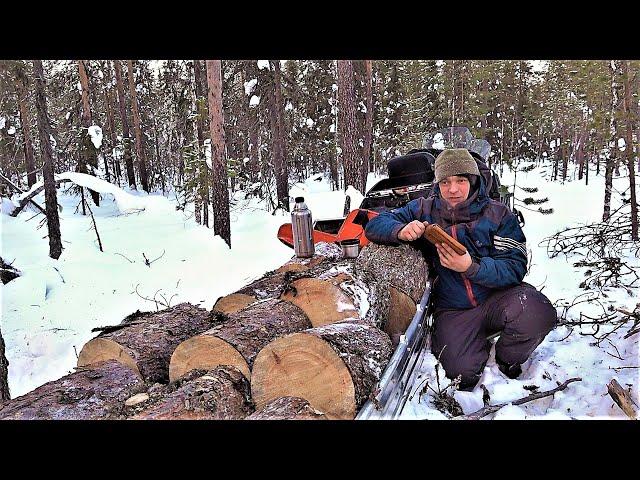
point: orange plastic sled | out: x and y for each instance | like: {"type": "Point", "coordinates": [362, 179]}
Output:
{"type": "Point", "coordinates": [348, 230]}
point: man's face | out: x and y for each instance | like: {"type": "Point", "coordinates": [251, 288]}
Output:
{"type": "Point", "coordinates": [455, 189]}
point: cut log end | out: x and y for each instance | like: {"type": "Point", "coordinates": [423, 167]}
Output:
{"type": "Point", "coordinates": [302, 365]}
{"type": "Point", "coordinates": [102, 349]}
{"type": "Point", "coordinates": [233, 303]}
{"type": "Point", "coordinates": [321, 300]}
{"type": "Point", "coordinates": [401, 311]}
{"type": "Point", "coordinates": [205, 352]}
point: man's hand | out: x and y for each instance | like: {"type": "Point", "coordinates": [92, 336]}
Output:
{"type": "Point", "coordinates": [451, 260]}
{"type": "Point", "coordinates": [411, 231]}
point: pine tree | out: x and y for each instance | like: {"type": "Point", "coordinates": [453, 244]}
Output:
{"type": "Point", "coordinates": [53, 222]}
{"type": "Point", "coordinates": [220, 192]}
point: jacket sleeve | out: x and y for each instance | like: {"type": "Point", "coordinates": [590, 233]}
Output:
{"type": "Point", "coordinates": [507, 264]}
{"type": "Point", "coordinates": [385, 227]}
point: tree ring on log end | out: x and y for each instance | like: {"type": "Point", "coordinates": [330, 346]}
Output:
{"type": "Point", "coordinates": [233, 303]}
{"type": "Point", "coordinates": [102, 349]}
{"type": "Point", "coordinates": [305, 366]}
{"type": "Point", "coordinates": [322, 301]}
{"type": "Point", "coordinates": [205, 352]}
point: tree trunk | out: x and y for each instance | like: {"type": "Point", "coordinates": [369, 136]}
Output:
{"type": "Point", "coordinates": [237, 341]}
{"type": "Point", "coordinates": [108, 100]}
{"type": "Point", "coordinates": [368, 132]}
{"type": "Point", "coordinates": [126, 139]}
{"type": "Point", "coordinates": [612, 156]}
{"type": "Point", "coordinates": [53, 221]}
{"type": "Point", "coordinates": [222, 393]}
{"type": "Point", "coordinates": [23, 91]}
{"type": "Point", "coordinates": [145, 341]}
{"type": "Point", "coordinates": [351, 161]}
{"type": "Point", "coordinates": [137, 128]}
{"type": "Point", "coordinates": [221, 220]}
{"type": "Point", "coordinates": [201, 105]}
{"type": "Point", "coordinates": [629, 149]}
{"type": "Point", "coordinates": [89, 155]}
{"type": "Point", "coordinates": [334, 367]}
{"type": "Point", "coordinates": [97, 392]}
{"type": "Point", "coordinates": [287, 408]}
{"type": "Point", "coordinates": [279, 156]}
{"type": "Point", "coordinates": [4, 374]}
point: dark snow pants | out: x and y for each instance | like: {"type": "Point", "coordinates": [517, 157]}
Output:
{"type": "Point", "coordinates": [523, 315]}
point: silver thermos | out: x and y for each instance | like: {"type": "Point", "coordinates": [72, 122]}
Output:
{"type": "Point", "coordinates": [302, 227]}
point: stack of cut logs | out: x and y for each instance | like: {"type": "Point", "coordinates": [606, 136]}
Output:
{"type": "Point", "coordinates": [309, 340]}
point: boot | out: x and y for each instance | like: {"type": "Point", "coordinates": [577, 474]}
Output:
{"type": "Point", "coordinates": [511, 371]}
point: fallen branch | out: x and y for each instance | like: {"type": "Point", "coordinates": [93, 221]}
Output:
{"type": "Point", "coordinates": [622, 399]}
{"type": "Point", "coordinates": [130, 261]}
{"type": "Point", "coordinates": [148, 262]}
{"type": "Point", "coordinates": [484, 411]}
{"type": "Point", "coordinates": [113, 328]}
{"type": "Point", "coordinates": [28, 198]}
{"type": "Point", "coordinates": [95, 227]}
{"type": "Point", "coordinates": [19, 190]}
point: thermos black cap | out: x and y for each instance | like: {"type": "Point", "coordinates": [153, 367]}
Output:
{"type": "Point", "coordinates": [299, 199]}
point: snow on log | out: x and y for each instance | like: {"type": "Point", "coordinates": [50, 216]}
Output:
{"type": "Point", "coordinates": [237, 341]}
{"type": "Point", "coordinates": [396, 278]}
{"type": "Point", "coordinates": [145, 341]}
{"type": "Point", "coordinates": [272, 284]}
{"type": "Point", "coordinates": [222, 393]}
{"type": "Point", "coordinates": [334, 367]}
{"type": "Point", "coordinates": [91, 393]}
{"type": "Point", "coordinates": [287, 408]}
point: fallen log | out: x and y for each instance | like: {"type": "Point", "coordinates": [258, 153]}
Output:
{"type": "Point", "coordinates": [91, 393]}
{"type": "Point", "coordinates": [272, 284]}
{"type": "Point", "coordinates": [333, 367]}
{"type": "Point", "coordinates": [287, 408]}
{"type": "Point", "coordinates": [622, 399]}
{"type": "Point", "coordinates": [396, 278]}
{"type": "Point", "coordinates": [146, 340]}
{"type": "Point", "coordinates": [222, 393]}
{"type": "Point", "coordinates": [237, 341]}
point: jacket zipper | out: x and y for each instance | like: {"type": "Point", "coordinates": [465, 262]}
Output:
{"type": "Point", "coordinates": [467, 283]}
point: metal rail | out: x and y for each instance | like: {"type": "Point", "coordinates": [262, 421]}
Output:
{"type": "Point", "coordinates": [395, 383]}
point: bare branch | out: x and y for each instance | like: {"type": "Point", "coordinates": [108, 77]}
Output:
{"type": "Point", "coordinates": [484, 411]}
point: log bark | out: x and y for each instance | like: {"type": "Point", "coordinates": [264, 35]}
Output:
{"type": "Point", "coordinates": [334, 367]}
{"type": "Point", "coordinates": [396, 278]}
{"type": "Point", "coordinates": [287, 408]}
{"type": "Point", "coordinates": [272, 284]}
{"type": "Point", "coordinates": [145, 341]}
{"type": "Point", "coordinates": [94, 393]}
{"type": "Point", "coordinates": [237, 341]}
{"type": "Point", "coordinates": [222, 393]}
{"type": "Point", "coordinates": [622, 399]}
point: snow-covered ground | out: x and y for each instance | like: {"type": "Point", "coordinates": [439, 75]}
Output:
{"type": "Point", "coordinates": [48, 312]}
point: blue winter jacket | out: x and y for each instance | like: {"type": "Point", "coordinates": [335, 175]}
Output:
{"type": "Point", "coordinates": [488, 230]}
